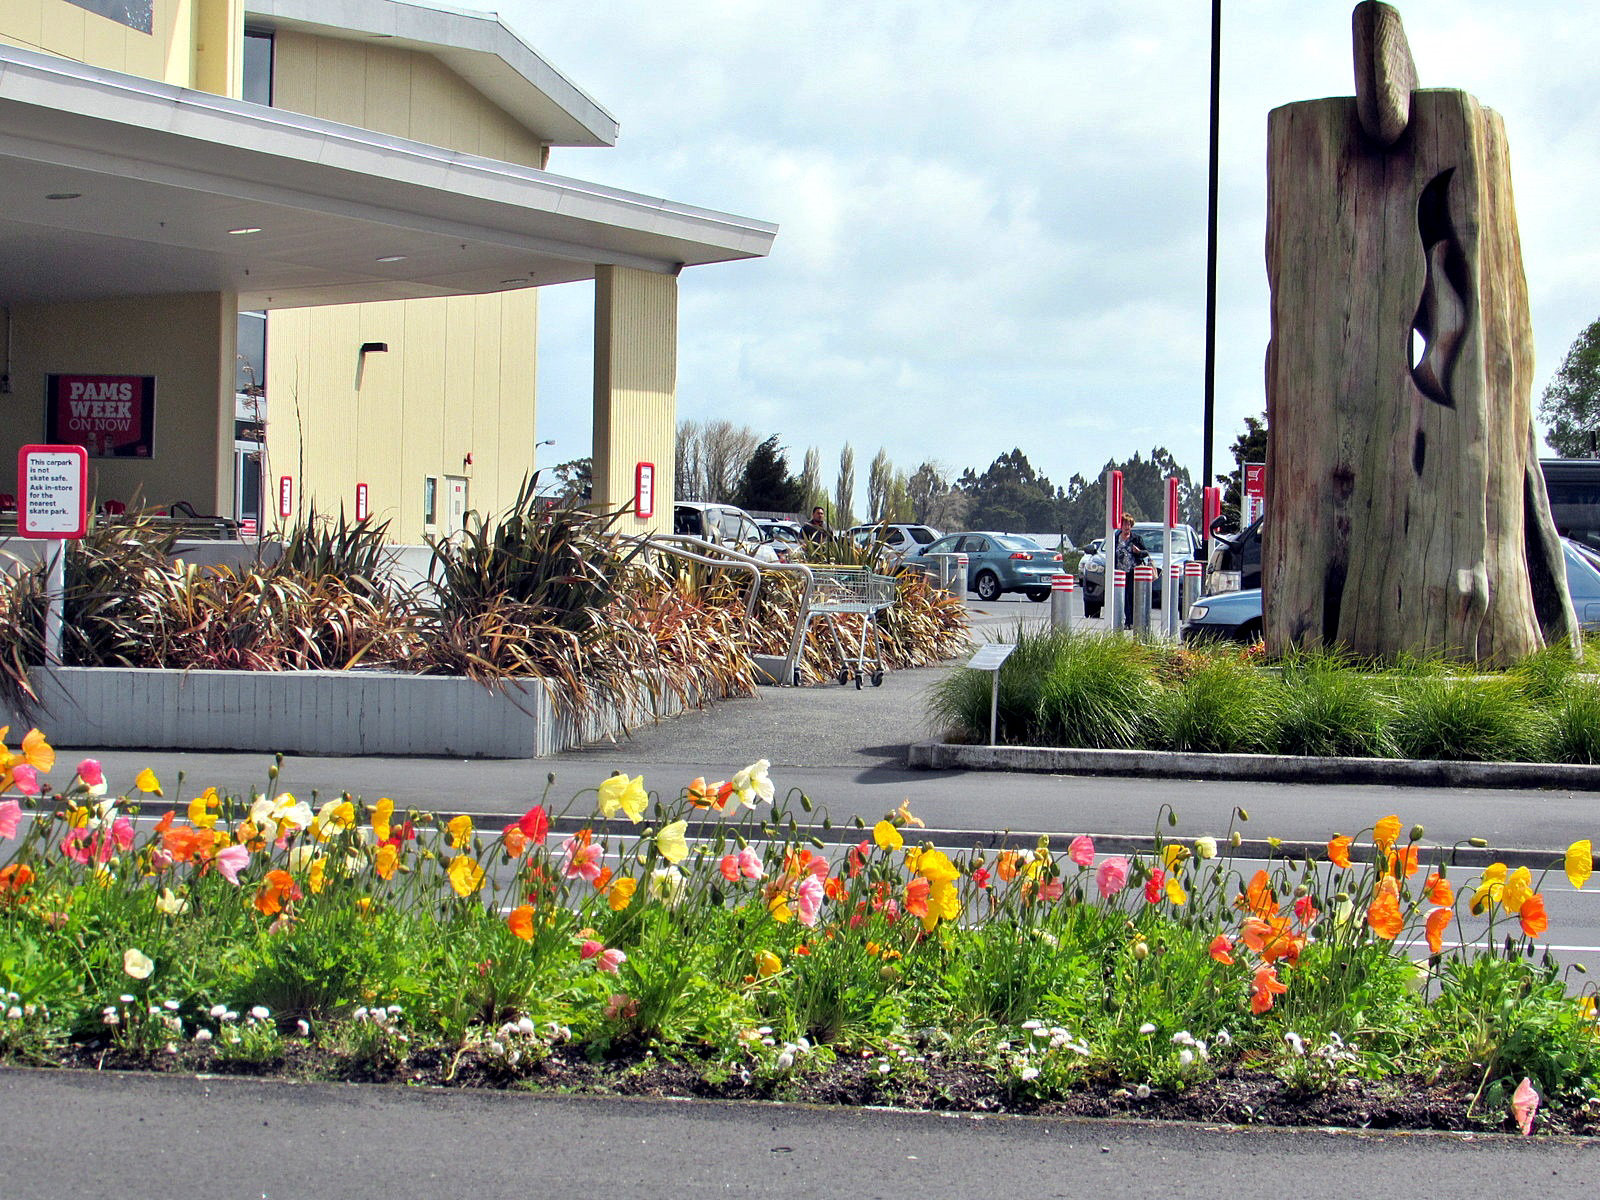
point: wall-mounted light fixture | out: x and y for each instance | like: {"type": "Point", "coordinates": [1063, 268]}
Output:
{"type": "Point", "coordinates": [374, 347]}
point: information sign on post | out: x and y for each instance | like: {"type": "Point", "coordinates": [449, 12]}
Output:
{"type": "Point", "coordinates": [990, 658]}
{"type": "Point", "coordinates": [53, 502]}
{"type": "Point", "coordinates": [361, 502]}
{"type": "Point", "coordinates": [1169, 594]}
{"type": "Point", "coordinates": [285, 496]}
{"type": "Point", "coordinates": [1255, 492]}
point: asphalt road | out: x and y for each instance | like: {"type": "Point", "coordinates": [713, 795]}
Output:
{"type": "Point", "coordinates": [132, 1137]}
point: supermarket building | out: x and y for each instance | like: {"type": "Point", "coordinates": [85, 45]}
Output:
{"type": "Point", "coordinates": [256, 254]}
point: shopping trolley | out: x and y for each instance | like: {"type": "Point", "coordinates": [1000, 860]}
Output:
{"type": "Point", "coordinates": [838, 590]}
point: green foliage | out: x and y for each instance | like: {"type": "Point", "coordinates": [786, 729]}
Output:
{"type": "Point", "coordinates": [1222, 707]}
{"type": "Point", "coordinates": [1570, 406]}
{"type": "Point", "coordinates": [1575, 724]}
{"type": "Point", "coordinates": [766, 485]}
{"type": "Point", "coordinates": [1470, 719]}
{"type": "Point", "coordinates": [1328, 708]}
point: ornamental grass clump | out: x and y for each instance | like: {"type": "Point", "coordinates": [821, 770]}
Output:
{"type": "Point", "coordinates": [1098, 692]}
{"type": "Point", "coordinates": [1575, 723]}
{"type": "Point", "coordinates": [1470, 718]}
{"type": "Point", "coordinates": [1327, 707]}
{"type": "Point", "coordinates": [1224, 706]}
{"type": "Point", "coordinates": [757, 946]}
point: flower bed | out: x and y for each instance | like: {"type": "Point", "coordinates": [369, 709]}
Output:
{"type": "Point", "coordinates": [704, 943]}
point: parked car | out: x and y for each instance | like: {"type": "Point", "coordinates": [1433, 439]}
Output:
{"type": "Point", "coordinates": [897, 540]}
{"type": "Point", "coordinates": [1235, 560]}
{"type": "Point", "coordinates": [996, 563]}
{"type": "Point", "coordinates": [784, 535]}
{"type": "Point", "coordinates": [726, 525]}
{"type": "Point", "coordinates": [1092, 567]}
{"type": "Point", "coordinates": [1236, 616]}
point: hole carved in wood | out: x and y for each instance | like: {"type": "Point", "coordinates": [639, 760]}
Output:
{"type": "Point", "coordinates": [1441, 318]}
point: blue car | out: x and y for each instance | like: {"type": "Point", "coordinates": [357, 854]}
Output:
{"type": "Point", "coordinates": [1236, 616]}
{"type": "Point", "coordinates": [996, 563]}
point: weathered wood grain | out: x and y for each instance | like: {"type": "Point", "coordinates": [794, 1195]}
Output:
{"type": "Point", "coordinates": [1386, 74]}
{"type": "Point", "coordinates": [1404, 504]}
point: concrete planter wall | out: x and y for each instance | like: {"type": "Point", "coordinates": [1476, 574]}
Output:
{"type": "Point", "coordinates": [315, 712]}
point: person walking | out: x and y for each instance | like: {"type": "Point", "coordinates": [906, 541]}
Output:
{"type": "Point", "coordinates": [816, 529]}
{"type": "Point", "coordinates": [1128, 552]}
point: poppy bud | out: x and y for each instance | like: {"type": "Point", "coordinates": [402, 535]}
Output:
{"type": "Point", "coordinates": [1416, 833]}
{"type": "Point", "coordinates": [1478, 843]}
{"type": "Point", "coordinates": [1580, 968]}
{"type": "Point", "coordinates": [827, 822]}
{"type": "Point", "coordinates": [1141, 950]}
{"type": "Point", "coordinates": [1235, 840]}
{"type": "Point", "coordinates": [1172, 818]}
{"type": "Point", "coordinates": [818, 843]}
{"type": "Point", "coordinates": [805, 803]}
{"type": "Point", "coordinates": [858, 822]}
{"type": "Point", "coordinates": [1241, 814]}
{"type": "Point", "coordinates": [272, 771]}
{"type": "Point", "coordinates": [1342, 897]}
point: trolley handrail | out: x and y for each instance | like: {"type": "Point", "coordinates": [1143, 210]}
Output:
{"type": "Point", "coordinates": [738, 558]}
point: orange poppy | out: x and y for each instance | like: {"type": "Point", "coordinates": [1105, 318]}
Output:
{"type": "Point", "coordinates": [1222, 949]}
{"type": "Point", "coordinates": [1263, 987]}
{"type": "Point", "coordinates": [1532, 916]}
{"type": "Point", "coordinates": [1339, 850]}
{"type": "Point", "coordinates": [1438, 890]}
{"type": "Point", "coordinates": [278, 889]}
{"type": "Point", "coordinates": [520, 922]}
{"type": "Point", "coordinates": [1403, 861]}
{"type": "Point", "coordinates": [515, 840]}
{"type": "Point", "coordinates": [1272, 938]}
{"type": "Point", "coordinates": [1384, 914]}
{"type": "Point", "coordinates": [1438, 922]}
{"type": "Point", "coordinates": [1258, 897]}
{"type": "Point", "coordinates": [917, 897]}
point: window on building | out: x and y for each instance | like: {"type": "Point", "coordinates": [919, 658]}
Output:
{"type": "Point", "coordinates": [430, 501]}
{"type": "Point", "coordinates": [250, 373]}
{"type": "Point", "coordinates": [258, 66]}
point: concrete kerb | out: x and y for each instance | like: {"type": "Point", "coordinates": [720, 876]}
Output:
{"type": "Point", "coordinates": [1266, 768]}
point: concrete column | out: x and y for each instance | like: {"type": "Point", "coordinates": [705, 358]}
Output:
{"type": "Point", "coordinates": [635, 391]}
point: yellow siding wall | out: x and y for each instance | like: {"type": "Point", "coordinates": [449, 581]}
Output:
{"type": "Point", "coordinates": [398, 92]}
{"type": "Point", "coordinates": [635, 389]}
{"type": "Point", "coordinates": [186, 342]}
{"type": "Point", "coordinates": [192, 43]}
{"type": "Point", "coordinates": [457, 379]}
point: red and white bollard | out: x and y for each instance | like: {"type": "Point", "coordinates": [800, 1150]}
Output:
{"type": "Point", "coordinates": [1172, 605]}
{"type": "Point", "coordinates": [1116, 606]}
{"type": "Point", "coordinates": [1144, 582]}
{"type": "Point", "coordinates": [1061, 589]}
{"type": "Point", "coordinates": [1194, 581]}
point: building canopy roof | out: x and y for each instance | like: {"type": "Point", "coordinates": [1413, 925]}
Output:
{"type": "Point", "coordinates": [479, 47]}
{"type": "Point", "coordinates": [114, 185]}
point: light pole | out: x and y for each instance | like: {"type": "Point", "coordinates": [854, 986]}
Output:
{"type": "Point", "coordinates": [536, 445]}
{"type": "Point", "coordinates": [1208, 424]}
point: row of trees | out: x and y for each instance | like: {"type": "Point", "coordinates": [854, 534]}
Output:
{"type": "Point", "coordinates": [718, 460]}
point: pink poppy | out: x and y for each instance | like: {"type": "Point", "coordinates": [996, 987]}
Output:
{"type": "Point", "coordinates": [1112, 877]}
{"type": "Point", "coordinates": [729, 866]}
{"type": "Point", "coordinates": [590, 949]}
{"type": "Point", "coordinates": [1524, 1104]}
{"type": "Point", "coordinates": [582, 860]}
{"type": "Point", "coordinates": [89, 771]}
{"type": "Point", "coordinates": [1081, 851]}
{"type": "Point", "coordinates": [10, 818]}
{"type": "Point", "coordinates": [750, 863]}
{"type": "Point", "coordinates": [1051, 890]}
{"type": "Point", "coordinates": [610, 960]}
{"type": "Point", "coordinates": [122, 833]}
{"type": "Point", "coordinates": [808, 899]}
{"type": "Point", "coordinates": [231, 860]}
{"type": "Point", "coordinates": [26, 779]}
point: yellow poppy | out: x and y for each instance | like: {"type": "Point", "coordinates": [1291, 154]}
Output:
{"type": "Point", "coordinates": [620, 894]}
{"type": "Point", "coordinates": [1579, 864]}
{"type": "Point", "coordinates": [1518, 888]}
{"type": "Point", "coordinates": [381, 813]}
{"type": "Point", "coordinates": [1175, 893]}
{"type": "Point", "coordinates": [203, 808]}
{"type": "Point", "coordinates": [671, 842]}
{"type": "Point", "coordinates": [621, 794]}
{"type": "Point", "coordinates": [1385, 833]}
{"type": "Point", "coordinates": [887, 836]}
{"type": "Point", "coordinates": [1490, 887]}
{"type": "Point", "coordinates": [768, 964]}
{"type": "Point", "coordinates": [386, 862]}
{"type": "Point", "coordinates": [460, 831]}
{"type": "Point", "coordinates": [936, 867]}
{"type": "Point", "coordinates": [466, 876]}
{"type": "Point", "coordinates": [146, 782]}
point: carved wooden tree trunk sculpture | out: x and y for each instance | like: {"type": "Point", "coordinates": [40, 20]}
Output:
{"type": "Point", "coordinates": [1406, 510]}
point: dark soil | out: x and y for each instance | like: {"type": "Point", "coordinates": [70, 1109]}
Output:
{"type": "Point", "coordinates": [1237, 1097]}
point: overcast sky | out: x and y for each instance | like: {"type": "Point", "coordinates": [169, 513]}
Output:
{"type": "Point", "coordinates": [993, 213]}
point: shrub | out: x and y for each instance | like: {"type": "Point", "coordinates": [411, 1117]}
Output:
{"type": "Point", "coordinates": [1329, 708]}
{"type": "Point", "coordinates": [1224, 707]}
{"type": "Point", "coordinates": [1100, 692]}
{"type": "Point", "coordinates": [1475, 719]}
